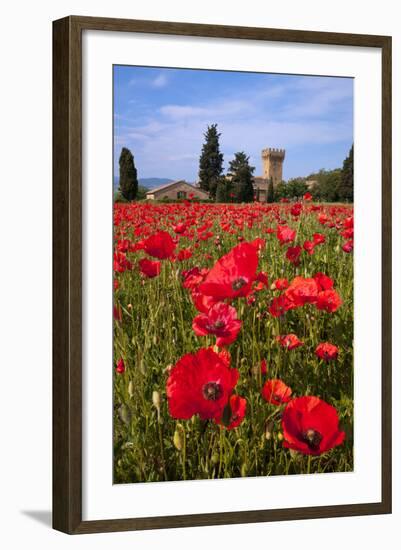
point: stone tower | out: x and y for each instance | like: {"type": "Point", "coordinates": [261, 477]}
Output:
{"type": "Point", "coordinates": [273, 164]}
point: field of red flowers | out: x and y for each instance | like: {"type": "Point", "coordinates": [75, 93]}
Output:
{"type": "Point", "coordinates": [233, 340]}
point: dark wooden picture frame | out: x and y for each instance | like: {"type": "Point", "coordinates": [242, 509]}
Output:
{"type": "Point", "coordinates": [67, 274]}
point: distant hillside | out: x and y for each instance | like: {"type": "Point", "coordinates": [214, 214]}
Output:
{"type": "Point", "coordinates": [150, 183]}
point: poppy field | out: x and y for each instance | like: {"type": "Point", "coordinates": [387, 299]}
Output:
{"type": "Point", "coordinates": [233, 340]}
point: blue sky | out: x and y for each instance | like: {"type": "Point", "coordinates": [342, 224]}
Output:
{"type": "Point", "coordinates": [161, 115]}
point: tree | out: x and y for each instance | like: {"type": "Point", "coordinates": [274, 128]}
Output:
{"type": "Point", "coordinates": [296, 188]}
{"type": "Point", "coordinates": [224, 189]}
{"type": "Point", "coordinates": [128, 175]}
{"type": "Point", "coordinates": [210, 162]}
{"type": "Point", "coordinates": [270, 191]}
{"type": "Point", "coordinates": [241, 173]}
{"type": "Point", "coordinates": [346, 185]}
{"type": "Point", "coordinates": [281, 191]}
{"type": "Point", "coordinates": [327, 186]}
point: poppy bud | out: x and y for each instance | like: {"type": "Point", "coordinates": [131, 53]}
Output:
{"type": "Point", "coordinates": [268, 429]}
{"type": "Point", "coordinates": [156, 403]}
{"type": "Point", "coordinates": [280, 436]}
{"type": "Point", "coordinates": [131, 388]}
{"type": "Point", "coordinates": [125, 414]}
{"type": "Point", "coordinates": [120, 368]}
{"type": "Point", "coordinates": [255, 371]}
{"type": "Point", "coordinates": [156, 399]}
{"type": "Point", "coordinates": [178, 438]}
{"type": "Point", "coordinates": [215, 458]}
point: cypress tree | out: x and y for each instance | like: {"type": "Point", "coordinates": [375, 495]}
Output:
{"type": "Point", "coordinates": [223, 190]}
{"type": "Point", "coordinates": [210, 162]}
{"type": "Point", "coordinates": [346, 185]}
{"type": "Point", "coordinates": [270, 191]}
{"type": "Point", "coordinates": [128, 186]}
{"type": "Point", "coordinates": [241, 173]}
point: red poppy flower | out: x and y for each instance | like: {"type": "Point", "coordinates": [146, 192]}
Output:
{"type": "Point", "coordinates": [236, 413]}
{"type": "Point", "coordinates": [348, 246]}
{"type": "Point", "coordinates": [302, 291]}
{"type": "Point", "coordinates": [120, 368]}
{"type": "Point", "coordinates": [328, 300]}
{"type": "Point", "coordinates": [324, 282]}
{"type": "Point", "coordinates": [349, 222]}
{"type": "Point", "coordinates": [233, 274]}
{"type": "Point", "coordinates": [348, 233]}
{"type": "Point", "coordinates": [221, 320]}
{"type": "Point", "coordinates": [250, 299]}
{"type": "Point", "coordinates": [117, 313]}
{"type": "Point", "coordinates": [318, 238]}
{"type": "Point", "coordinates": [184, 254]}
{"type": "Point", "coordinates": [296, 209]}
{"type": "Point", "coordinates": [149, 268]}
{"type": "Point", "coordinates": [205, 236]}
{"type": "Point", "coordinates": [285, 234]}
{"type": "Point", "coordinates": [309, 247]}
{"type": "Point", "coordinates": [326, 351]}
{"type": "Point", "coordinates": [307, 197]}
{"type": "Point", "coordinates": [293, 253]}
{"type": "Point", "coordinates": [193, 277]}
{"type": "Point", "coordinates": [280, 284]}
{"type": "Point", "coordinates": [121, 262]}
{"type": "Point", "coordinates": [179, 228]}
{"type": "Point", "coordinates": [200, 383]}
{"type": "Point", "coordinates": [123, 245]}
{"type": "Point", "coordinates": [160, 245]}
{"type": "Point", "coordinates": [263, 367]}
{"type": "Point", "coordinates": [261, 280]}
{"type": "Point", "coordinates": [310, 426]}
{"type": "Point", "coordinates": [276, 392]}
{"type": "Point", "coordinates": [280, 305]}
{"type": "Point", "coordinates": [289, 341]}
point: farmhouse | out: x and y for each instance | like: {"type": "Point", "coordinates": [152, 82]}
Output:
{"type": "Point", "coordinates": [179, 189]}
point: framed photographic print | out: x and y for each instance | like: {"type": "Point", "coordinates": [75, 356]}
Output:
{"type": "Point", "coordinates": [222, 274]}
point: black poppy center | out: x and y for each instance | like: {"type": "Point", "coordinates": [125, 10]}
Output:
{"type": "Point", "coordinates": [312, 438]}
{"type": "Point", "coordinates": [219, 324]}
{"type": "Point", "coordinates": [212, 391]}
{"type": "Point", "coordinates": [277, 397]}
{"type": "Point", "coordinates": [238, 283]}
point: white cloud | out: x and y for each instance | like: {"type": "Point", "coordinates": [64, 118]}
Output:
{"type": "Point", "coordinates": [160, 81]}
{"type": "Point", "coordinates": [213, 110]}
